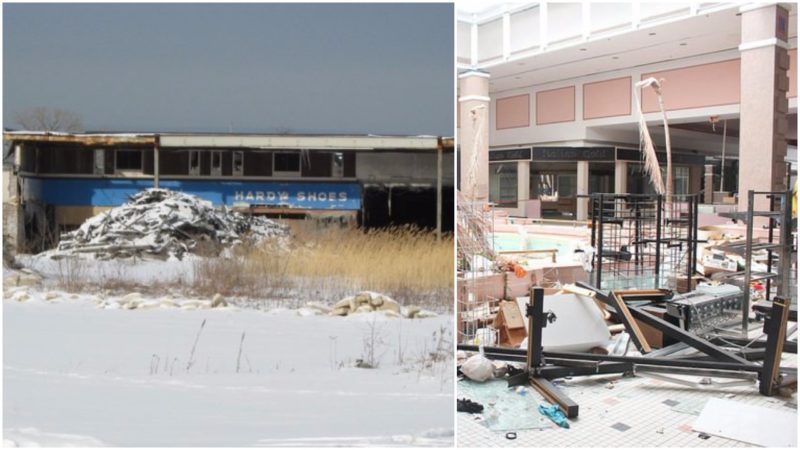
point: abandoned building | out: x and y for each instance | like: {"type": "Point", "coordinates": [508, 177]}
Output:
{"type": "Point", "coordinates": [550, 93]}
{"type": "Point", "coordinates": [55, 181]}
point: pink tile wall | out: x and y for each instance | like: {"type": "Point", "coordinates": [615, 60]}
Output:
{"type": "Point", "coordinates": [556, 105]}
{"type": "Point", "coordinates": [607, 98]}
{"type": "Point", "coordinates": [712, 84]}
{"type": "Point", "coordinates": [512, 112]}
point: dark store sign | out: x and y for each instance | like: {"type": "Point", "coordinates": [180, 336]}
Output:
{"type": "Point", "coordinates": [573, 153]}
{"type": "Point", "coordinates": [514, 154]}
{"type": "Point", "coordinates": [624, 154]}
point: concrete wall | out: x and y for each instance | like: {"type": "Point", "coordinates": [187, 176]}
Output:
{"type": "Point", "coordinates": [693, 100]}
{"type": "Point", "coordinates": [403, 168]}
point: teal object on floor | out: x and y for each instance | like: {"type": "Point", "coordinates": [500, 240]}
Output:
{"type": "Point", "coordinates": [554, 413]}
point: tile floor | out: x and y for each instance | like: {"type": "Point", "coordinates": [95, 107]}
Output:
{"type": "Point", "coordinates": [618, 411]}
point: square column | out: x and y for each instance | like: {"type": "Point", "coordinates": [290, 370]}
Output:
{"type": "Point", "coordinates": [620, 177]}
{"type": "Point", "coordinates": [764, 82]}
{"type": "Point", "coordinates": [582, 203]}
{"type": "Point", "coordinates": [708, 195]}
{"type": "Point", "coordinates": [473, 135]}
{"type": "Point", "coordinates": [523, 186]}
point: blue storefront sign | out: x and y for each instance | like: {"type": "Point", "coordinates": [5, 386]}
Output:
{"type": "Point", "coordinates": [113, 192]}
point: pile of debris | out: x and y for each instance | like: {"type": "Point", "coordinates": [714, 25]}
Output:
{"type": "Point", "coordinates": [367, 302]}
{"type": "Point", "coordinates": [163, 223]}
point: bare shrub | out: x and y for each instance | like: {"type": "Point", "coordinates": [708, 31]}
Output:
{"type": "Point", "coordinates": [72, 274]}
{"type": "Point", "coordinates": [373, 346]}
{"type": "Point", "coordinates": [248, 270]}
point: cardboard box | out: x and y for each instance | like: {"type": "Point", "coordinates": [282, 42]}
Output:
{"type": "Point", "coordinates": [511, 324]}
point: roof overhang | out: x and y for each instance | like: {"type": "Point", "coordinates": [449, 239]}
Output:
{"type": "Point", "coordinates": [255, 141]}
{"type": "Point", "coordinates": [289, 142]}
{"type": "Point", "coordinates": [84, 139]}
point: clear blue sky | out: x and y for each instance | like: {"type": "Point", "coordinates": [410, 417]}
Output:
{"type": "Point", "coordinates": [362, 68]}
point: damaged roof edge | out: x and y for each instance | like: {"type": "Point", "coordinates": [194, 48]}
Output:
{"type": "Point", "coordinates": [86, 139]}
{"type": "Point", "coordinates": [176, 140]}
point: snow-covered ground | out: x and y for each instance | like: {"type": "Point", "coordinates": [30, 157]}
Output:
{"type": "Point", "coordinates": [79, 375]}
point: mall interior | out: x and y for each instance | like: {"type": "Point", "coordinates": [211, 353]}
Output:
{"type": "Point", "coordinates": [547, 99]}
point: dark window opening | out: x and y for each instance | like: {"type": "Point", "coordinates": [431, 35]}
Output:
{"type": "Point", "coordinates": [129, 159]}
{"type": "Point", "coordinates": [287, 162]}
{"type": "Point", "coordinates": [238, 162]}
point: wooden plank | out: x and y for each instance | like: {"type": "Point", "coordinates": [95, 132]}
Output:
{"type": "Point", "coordinates": [630, 324]}
{"type": "Point", "coordinates": [554, 395]}
{"type": "Point", "coordinates": [776, 336]}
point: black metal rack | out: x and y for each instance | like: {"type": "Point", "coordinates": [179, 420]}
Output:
{"type": "Point", "coordinates": [641, 239]}
{"type": "Point", "coordinates": [542, 366]}
{"type": "Point", "coordinates": [779, 252]}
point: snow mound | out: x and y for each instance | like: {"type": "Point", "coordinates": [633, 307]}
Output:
{"type": "Point", "coordinates": [367, 302]}
{"type": "Point", "coordinates": [33, 437]}
{"type": "Point", "coordinates": [163, 223]}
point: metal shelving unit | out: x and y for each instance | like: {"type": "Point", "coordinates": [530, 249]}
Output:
{"type": "Point", "coordinates": [777, 276]}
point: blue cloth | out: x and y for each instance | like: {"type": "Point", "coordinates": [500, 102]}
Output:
{"type": "Point", "coordinates": [554, 413]}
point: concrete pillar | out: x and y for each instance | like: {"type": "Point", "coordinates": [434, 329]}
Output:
{"type": "Point", "coordinates": [523, 185]}
{"type": "Point", "coordinates": [473, 137]}
{"type": "Point", "coordinates": [620, 177]}
{"type": "Point", "coordinates": [764, 82]}
{"type": "Point", "coordinates": [156, 160]}
{"type": "Point", "coordinates": [582, 209]}
{"type": "Point", "coordinates": [708, 195]}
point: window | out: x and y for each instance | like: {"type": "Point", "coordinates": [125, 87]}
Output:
{"type": "Point", "coordinates": [639, 182]}
{"type": "Point", "coordinates": [503, 184]}
{"type": "Point", "coordinates": [567, 185]}
{"type": "Point", "coordinates": [99, 161]}
{"type": "Point", "coordinates": [129, 160]}
{"type": "Point", "coordinates": [286, 163]}
{"type": "Point", "coordinates": [238, 163]}
{"type": "Point", "coordinates": [551, 186]}
{"type": "Point", "coordinates": [680, 180]}
{"type": "Point", "coordinates": [338, 165]}
{"type": "Point", "coordinates": [216, 163]}
{"type": "Point", "coordinates": [194, 162]}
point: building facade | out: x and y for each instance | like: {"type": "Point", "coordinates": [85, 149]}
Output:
{"type": "Point", "coordinates": [62, 179]}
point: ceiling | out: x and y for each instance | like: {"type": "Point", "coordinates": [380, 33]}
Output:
{"type": "Point", "coordinates": [703, 34]}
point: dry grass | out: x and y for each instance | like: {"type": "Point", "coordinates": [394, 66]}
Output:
{"type": "Point", "coordinates": [321, 263]}
{"type": "Point", "coordinates": [328, 263]}
{"type": "Point", "coordinates": [388, 259]}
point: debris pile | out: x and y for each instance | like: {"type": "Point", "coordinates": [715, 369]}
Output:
{"type": "Point", "coordinates": [367, 302]}
{"type": "Point", "coordinates": [163, 223]}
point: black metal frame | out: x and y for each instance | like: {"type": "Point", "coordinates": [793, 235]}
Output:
{"type": "Point", "coordinates": [542, 366]}
{"type": "Point", "coordinates": [665, 226]}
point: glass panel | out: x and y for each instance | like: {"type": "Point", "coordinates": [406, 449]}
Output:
{"type": "Point", "coordinates": [194, 159]}
{"type": "Point", "coordinates": [503, 184]}
{"type": "Point", "coordinates": [338, 164]}
{"type": "Point", "coordinates": [680, 180]}
{"type": "Point", "coordinates": [567, 185]}
{"type": "Point", "coordinates": [237, 163]}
